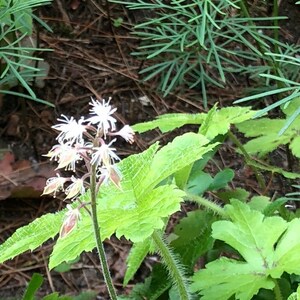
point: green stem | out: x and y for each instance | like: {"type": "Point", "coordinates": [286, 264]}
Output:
{"type": "Point", "coordinates": [174, 268]}
{"type": "Point", "coordinates": [206, 203]}
{"type": "Point", "coordinates": [248, 159]}
{"type": "Point", "coordinates": [277, 291]}
{"type": "Point", "coordinates": [100, 247]}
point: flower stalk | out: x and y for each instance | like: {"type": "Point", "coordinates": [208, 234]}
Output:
{"type": "Point", "coordinates": [85, 141]}
{"type": "Point", "coordinates": [97, 233]}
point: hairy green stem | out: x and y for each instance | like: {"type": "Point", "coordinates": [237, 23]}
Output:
{"type": "Point", "coordinates": [206, 203]}
{"type": "Point", "coordinates": [100, 247]}
{"type": "Point", "coordinates": [175, 269]}
{"type": "Point", "coordinates": [248, 159]}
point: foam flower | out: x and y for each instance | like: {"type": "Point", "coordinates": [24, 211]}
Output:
{"type": "Point", "coordinates": [70, 129]}
{"type": "Point", "coordinates": [104, 155]}
{"type": "Point", "coordinates": [102, 116]}
{"type": "Point", "coordinates": [126, 133]}
{"type": "Point", "coordinates": [75, 188]}
{"type": "Point", "coordinates": [56, 151]}
{"type": "Point", "coordinates": [54, 185]}
{"type": "Point", "coordinates": [111, 173]}
{"type": "Point", "coordinates": [68, 158]}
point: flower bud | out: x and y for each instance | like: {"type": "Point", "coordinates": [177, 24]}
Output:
{"type": "Point", "coordinates": [70, 221]}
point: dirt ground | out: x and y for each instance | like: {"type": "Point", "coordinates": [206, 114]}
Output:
{"type": "Point", "coordinates": [89, 58]}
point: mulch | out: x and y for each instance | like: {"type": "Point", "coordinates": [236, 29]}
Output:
{"type": "Point", "coordinates": [90, 57]}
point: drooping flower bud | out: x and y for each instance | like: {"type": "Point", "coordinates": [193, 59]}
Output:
{"type": "Point", "coordinates": [72, 217]}
{"type": "Point", "coordinates": [113, 174]}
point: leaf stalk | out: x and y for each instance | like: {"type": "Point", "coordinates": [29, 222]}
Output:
{"type": "Point", "coordinates": [248, 159]}
{"type": "Point", "coordinates": [174, 267]}
{"type": "Point", "coordinates": [206, 203]}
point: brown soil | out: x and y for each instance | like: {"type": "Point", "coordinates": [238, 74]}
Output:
{"type": "Point", "coordinates": [90, 58]}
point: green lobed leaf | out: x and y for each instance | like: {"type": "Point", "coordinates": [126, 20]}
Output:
{"type": "Point", "coordinates": [249, 232]}
{"type": "Point", "coordinates": [268, 245]}
{"type": "Point", "coordinates": [169, 122]}
{"type": "Point", "coordinates": [215, 122]}
{"type": "Point", "coordinates": [183, 151]}
{"type": "Point", "coordinates": [219, 280]}
{"type": "Point", "coordinates": [140, 207]}
{"type": "Point", "coordinates": [266, 132]}
{"type": "Point", "coordinates": [287, 251]}
{"type": "Point", "coordinates": [31, 236]}
{"type": "Point", "coordinates": [220, 121]}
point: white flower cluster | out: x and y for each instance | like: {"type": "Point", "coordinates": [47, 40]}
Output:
{"type": "Point", "coordinates": [85, 140]}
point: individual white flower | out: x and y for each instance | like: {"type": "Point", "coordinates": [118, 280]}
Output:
{"type": "Point", "coordinates": [104, 155]}
{"type": "Point", "coordinates": [111, 173]}
{"type": "Point", "coordinates": [70, 129]}
{"type": "Point", "coordinates": [56, 151]}
{"type": "Point", "coordinates": [75, 188]}
{"type": "Point", "coordinates": [68, 158]}
{"type": "Point", "coordinates": [126, 133]}
{"type": "Point", "coordinates": [102, 116]}
{"type": "Point", "coordinates": [72, 217]}
{"type": "Point", "coordinates": [54, 185]}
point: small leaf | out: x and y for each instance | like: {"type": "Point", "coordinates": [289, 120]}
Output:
{"type": "Point", "coordinates": [259, 203]}
{"type": "Point", "coordinates": [268, 135]}
{"type": "Point", "coordinates": [34, 284]}
{"type": "Point", "coordinates": [273, 206]}
{"type": "Point", "coordinates": [221, 179]}
{"type": "Point", "coordinates": [199, 182]}
{"type": "Point", "coordinates": [154, 286]}
{"type": "Point", "coordinates": [66, 266]}
{"type": "Point", "coordinates": [296, 295]}
{"type": "Point", "coordinates": [238, 193]}
{"type": "Point", "coordinates": [135, 258]}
